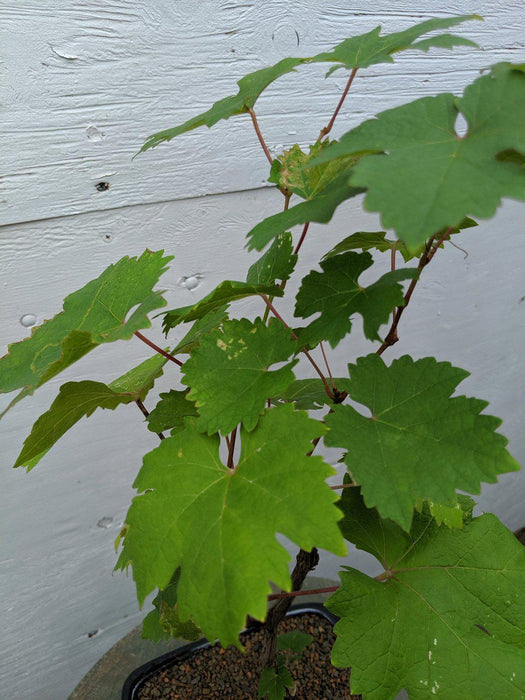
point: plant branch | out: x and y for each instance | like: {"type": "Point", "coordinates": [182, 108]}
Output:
{"type": "Point", "coordinates": [303, 350]}
{"type": "Point", "coordinates": [145, 413]}
{"type": "Point", "coordinates": [344, 486]}
{"type": "Point", "coordinates": [392, 337]}
{"type": "Point", "coordinates": [157, 349]}
{"type": "Point", "coordinates": [260, 136]}
{"type": "Point", "coordinates": [231, 448]}
{"type": "Point", "coordinates": [296, 594]}
{"type": "Point", "coordinates": [301, 239]}
{"type": "Point", "coordinates": [326, 364]}
{"type": "Point", "coordinates": [328, 128]}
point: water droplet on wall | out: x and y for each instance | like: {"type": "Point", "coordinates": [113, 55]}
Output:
{"type": "Point", "coordinates": [28, 320]}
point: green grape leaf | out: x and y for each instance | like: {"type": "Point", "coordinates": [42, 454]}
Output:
{"type": "Point", "coordinates": [293, 173]}
{"type": "Point", "coordinates": [228, 373]}
{"type": "Point", "coordinates": [371, 48]}
{"type": "Point", "coordinates": [197, 514]}
{"type": "Point", "coordinates": [448, 621]}
{"type": "Point", "coordinates": [452, 516]}
{"type": "Point", "coordinates": [273, 683]}
{"type": "Point", "coordinates": [171, 411]}
{"type": "Point", "coordinates": [423, 177]}
{"type": "Point", "coordinates": [305, 394]}
{"type": "Point", "coordinates": [277, 263]}
{"type": "Point", "coordinates": [250, 88]}
{"type": "Point", "coordinates": [203, 325]}
{"type": "Point", "coordinates": [97, 313]}
{"type": "Point", "coordinates": [215, 301]}
{"type": "Point", "coordinates": [78, 399]}
{"type": "Point", "coordinates": [294, 641]}
{"type": "Point", "coordinates": [164, 621]}
{"type": "Point", "coordinates": [419, 443]}
{"type": "Point", "coordinates": [336, 294]}
{"type": "Point", "coordinates": [319, 209]}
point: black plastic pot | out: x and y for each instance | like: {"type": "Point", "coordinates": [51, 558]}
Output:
{"type": "Point", "coordinates": [141, 674]}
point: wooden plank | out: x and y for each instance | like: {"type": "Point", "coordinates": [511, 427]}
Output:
{"type": "Point", "coordinates": [86, 82]}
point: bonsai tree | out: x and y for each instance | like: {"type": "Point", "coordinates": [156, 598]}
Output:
{"type": "Point", "coordinates": [236, 462]}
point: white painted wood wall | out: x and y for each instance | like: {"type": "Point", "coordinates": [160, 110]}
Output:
{"type": "Point", "coordinates": [83, 83]}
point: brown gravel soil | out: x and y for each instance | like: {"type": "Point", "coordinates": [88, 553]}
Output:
{"type": "Point", "coordinates": [215, 672]}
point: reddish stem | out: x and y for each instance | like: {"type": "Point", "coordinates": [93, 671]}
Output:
{"type": "Point", "coordinates": [303, 350]}
{"type": "Point", "coordinates": [145, 413]}
{"type": "Point", "coordinates": [295, 594]}
{"type": "Point", "coordinates": [260, 136]}
{"type": "Point", "coordinates": [301, 239]}
{"type": "Point", "coordinates": [327, 365]}
{"type": "Point", "coordinates": [328, 128]}
{"type": "Point", "coordinates": [344, 486]}
{"type": "Point", "coordinates": [231, 448]}
{"type": "Point", "coordinates": [157, 349]}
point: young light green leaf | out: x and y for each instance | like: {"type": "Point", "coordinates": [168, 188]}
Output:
{"type": "Point", "coordinates": [423, 177]}
{"type": "Point", "coordinates": [78, 399]}
{"type": "Point", "coordinates": [418, 443]}
{"type": "Point", "coordinates": [452, 516]}
{"type": "Point", "coordinates": [371, 48]}
{"type": "Point", "coordinates": [273, 684]}
{"type": "Point", "coordinates": [170, 412]}
{"type": "Point", "coordinates": [228, 373]}
{"type": "Point", "coordinates": [203, 325]}
{"type": "Point", "coordinates": [294, 175]}
{"type": "Point", "coordinates": [336, 294]}
{"type": "Point", "coordinates": [294, 641]}
{"type": "Point", "coordinates": [277, 263]}
{"type": "Point", "coordinates": [197, 514]}
{"type": "Point", "coordinates": [95, 314]}
{"type": "Point", "coordinates": [449, 621]}
{"type": "Point", "coordinates": [250, 88]}
{"type": "Point", "coordinates": [216, 301]}
{"type": "Point", "coordinates": [319, 209]}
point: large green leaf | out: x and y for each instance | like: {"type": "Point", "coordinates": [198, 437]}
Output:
{"type": "Point", "coordinates": [228, 373]}
{"type": "Point", "coordinates": [277, 263]}
{"type": "Point", "coordinates": [217, 302]}
{"type": "Point", "coordinates": [171, 411]}
{"type": "Point", "coordinates": [203, 325]}
{"type": "Point", "coordinates": [78, 399]}
{"type": "Point", "coordinates": [371, 48]}
{"type": "Point", "coordinates": [448, 621]}
{"type": "Point", "coordinates": [418, 443]}
{"type": "Point", "coordinates": [97, 313]}
{"type": "Point", "coordinates": [376, 240]}
{"type": "Point", "coordinates": [320, 209]}
{"type": "Point", "coordinates": [423, 176]}
{"type": "Point", "coordinates": [250, 87]}
{"type": "Point", "coordinates": [219, 524]}
{"type": "Point", "coordinates": [337, 294]}
{"type": "Point", "coordinates": [290, 170]}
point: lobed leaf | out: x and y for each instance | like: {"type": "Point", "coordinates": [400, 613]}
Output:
{"type": "Point", "coordinates": [423, 177]}
{"type": "Point", "coordinates": [229, 376]}
{"type": "Point", "coordinates": [250, 88]}
{"type": "Point", "coordinates": [277, 263]}
{"type": "Point", "coordinates": [202, 326]}
{"type": "Point", "coordinates": [97, 313]}
{"type": "Point", "coordinates": [448, 621]}
{"type": "Point", "coordinates": [171, 411]}
{"type": "Point", "coordinates": [418, 443]}
{"type": "Point", "coordinates": [291, 170]}
{"type": "Point", "coordinates": [336, 294]}
{"type": "Point", "coordinates": [197, 514]}
{"type": "Point", "coordinates": [319, 209]}
{"type": "Point", "coordinates": [372, 48]}
{"type": "Point", "coordinates": [78, 399]}
{"type": "Point", "coordinates": [217, 302]}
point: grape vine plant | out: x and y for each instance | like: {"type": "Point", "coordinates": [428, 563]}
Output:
{"type": "Point", "coordinates": [236, 462]}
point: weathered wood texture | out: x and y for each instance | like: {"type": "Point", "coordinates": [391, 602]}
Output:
{"type": "Point", "coordinates": [85, 82]}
